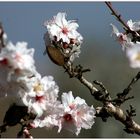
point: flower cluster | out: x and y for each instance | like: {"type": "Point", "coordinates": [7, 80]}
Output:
{"type": "Point", "coordinates": [130, 43]}
{"type": "Point", "coordinates": [40, 94]}
{"type": "Point", "coordinates": [64, 36]}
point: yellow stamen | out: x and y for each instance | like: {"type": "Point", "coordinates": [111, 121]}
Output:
{"type": "Point", "coordinates": [38, 87]}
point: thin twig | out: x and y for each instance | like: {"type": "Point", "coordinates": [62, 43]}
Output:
{"type": "Point", "coordinates": [118, 16]}
{"type": "Point", "coordinates": [129, 87]}
{"type": "Point", "coordinates": [2, 45]}
{"type": "Point", "coordinates": [122, 97]}
{"type": "Point", "coordinates": [135, 34]}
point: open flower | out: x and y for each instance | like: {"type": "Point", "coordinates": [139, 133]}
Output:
{"type": "Point", "coordinates": [62, 29]}
{"type": "Point", "coordinates": [42, 91]}
{"type": "Point", "coordinates": [18, 57]}
{"type": "Point", "coordinates": [64, 34]}
{"type": "Point", "coordinates": [132, 49]}
{"type": "Point", "coordinates": [122, 38]}
{"type": "Point", "coordinates": [77, 114]}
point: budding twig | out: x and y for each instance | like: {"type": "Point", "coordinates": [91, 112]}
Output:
{"type": "Point", "coordinates": [129, 87]}
{"type": "Point", "coordinates": [122, 97]}
{"type": "Point", "coordinates": [118, 16]}
{"type": "Point", "coordinates": [135, 34]}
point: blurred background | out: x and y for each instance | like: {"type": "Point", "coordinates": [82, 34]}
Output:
{"type": "Point", "coordinates": [23, 21]}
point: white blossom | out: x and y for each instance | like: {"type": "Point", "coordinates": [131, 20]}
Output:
{"type": "Point", "coordinates": [124, 39]}
{"type": "Point", "coordinates": [18, 57]}
{"type": "Point", "coordinates": [42, 91]}
{"type": "Point", "coordinates": [63, 29]}
{"type": "Point", "coordinates": [132, 49]}
{"type": "Point", "coordinates": [51, 116]}
{"type": "Point", "coordinates": [77, 114]}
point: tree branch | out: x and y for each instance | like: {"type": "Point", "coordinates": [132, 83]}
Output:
{"type": "Point", "coordinates": [118, 16]}
{"type": "Point", "coordinates": [130, 125]}
{"type": "Point", "coordinates": [108, 109]}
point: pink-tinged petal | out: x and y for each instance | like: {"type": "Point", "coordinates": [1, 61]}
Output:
{"type": "Point", "coordinates": [54, 30]}
{"type": "Point", "coordinates": [115, 30]}
{"type": "Point", "coordinates": [72, 25]}
{"type": "Point", "coordinates": [64, 37]}
{"type": "Point", "coordinates": [60, 19]}
{"type": "Point", "coordinates": [37, 109]}
{"type": "Point", "coordinates": [79, 101]}
{"type": "Point", "coordinates": [67, 98]}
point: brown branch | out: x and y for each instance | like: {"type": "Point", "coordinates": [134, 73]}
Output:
{"type": "Point", "coordinates": [129, 87]}
{"type": "Point", "coordinates": [130, 125]}
{"type": "Point", "coordinates": [74, 73]}
{"type": "Point", "coordinates": [108, 109]}
{"type": "Point", "coordinates": [118, 16]}
{"type": "Point", "coordinates": [122, 97]}
{"type": "Point", "coordinates": [2, 45]}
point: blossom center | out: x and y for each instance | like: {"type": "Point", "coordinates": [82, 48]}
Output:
{"type": "Point", "coordinates": [4, 61]}
{"type": "Point", "coordinates": [72, 106]}
{"type": "Point", "coordinates": [67, 117]}
{"type": "Point", "coordinates": [38, 87]}
{"type": "Point", "coordinates": [65, 31]}
{"type": "Point", "coordinates": [39, 98]}
{"type": "Point", "coordinates": [18, 58]}
{"type": "Point", "coordinates": [121, 39]}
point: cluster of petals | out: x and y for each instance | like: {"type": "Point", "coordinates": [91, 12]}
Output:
{"type": "Point", "coordinates": [77, 114]}
{"type": "Point", "coordinates": [59, 29]}
{"type": "Point", "coordinates": [129, 46]}
{"type": "Point", "coordinates": [17, 57]}
{"type": "Point", "coordinates": [40, 94]}
{"type": "Point", "coordinates": [43, 92]}
{"type": "Point", "coordinates": [63, 29]}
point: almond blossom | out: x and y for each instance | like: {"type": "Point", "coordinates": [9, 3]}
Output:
{"type": "Point", "coordinates": [64, 36]}
{"type": "Point", "coordinates": [131, 49]}
{"type": "Point", "coordinates": [77, 114]}
{"type": "Point", "coordinates": [50, 117]}
{"type": "Point", "coordinates": [122, 38]}
{"type": "Point", "coordinates": [63, 29]}
{"type": "Point", "coordinates": [18, 58]}
{"type": "Point", "coordinates": [42, 92]}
